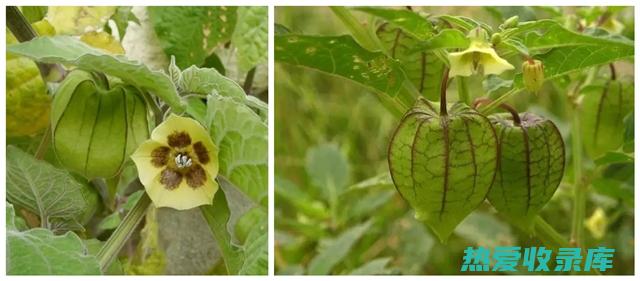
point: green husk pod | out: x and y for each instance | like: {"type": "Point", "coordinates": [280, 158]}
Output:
{"type": "Point", "coordinates": [531, 165]}
{"type": "Point", "coordinates": [443, 164]}
{"type": "Point", "coordinates": [604, 108]}
{"type": "Point", "coordinates": [96, 127]}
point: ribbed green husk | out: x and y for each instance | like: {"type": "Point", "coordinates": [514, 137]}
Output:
{"type": "Point", "coordinates": [531, 166]}
{"type": "Point", "coordinates": [96, 127]}
{"type": "Point", "coordinates": [443, 166]}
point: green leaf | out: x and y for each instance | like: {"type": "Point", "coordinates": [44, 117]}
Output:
{"type": "Point", "coordinates": [205, 81]}
{"type": "Point", "coordinates": [53, 194]}
{"type": "Point", "coordinates": [614, 157]}
{"type": "Point", "coordinates": [356, 28]}
{"type": "Point", "coordinates": [331, 251]}
{"type": "Point", "coordinates": [446, 39]}
{"type": "Point", "coordinates": [415, 244]}
{"type": "Point", "coordinates": [14, 222]}
{"type": "Point", "coordinates": [217, 216]}
{"type": "Point", "coordinates": [241, 138]}
{"type": "Point", "coordinates": [132, 200]}
{"type": "Point", "coordinates": [570, 51]}
{"type": "Point", "coordinates": [495, 86]}
{"type": "Point", "coordinates": [301, 201]}
{"type": "Point", "coordinates": [255, 245]}
{"type": "Point", "coordinates": [110, 222]}
{"type": "Point", "coordinates": [122, 17]}
{"type": "Point", "coordinates": [34, 13]}
{"type": "Point", "coordinates": [68, 50]}
{"type": "Point", "coordinates": [615, 189]}
{"type": "Point", "coordinates": [381, 180]}
{"type": "Point", "coordinates": [342, 56]}
{"type": "Point", "coordinates": [424, 69]}
{"type": "Point", "coordinates": [365, 204]}
{"type": "Point", "coordinates": [93, 246]}
{"type": "Point", "coordinates": [214, 61]}
{"type": "Point", "coordinates": [484, 229]}
{"type": "Point", "coordinates": [39, 252]}
{"type": "Point", "coordinates": [561, 61]}
{"type": "Point", "coordinates": [546, 34]}
{"type": "Point", "coordinates": [415, 25]}
{"type": "Point", "coordinates": [465, 23]}
{"type": "Point", "coordinates": [192, 33]}
{"type": "Point", "coordinates": [373, 267]}
{"type": "Point", "coordinates": [251, 36]}
{"type": "Point", "coordinates": [628, 133]}
{"type": "Point", "coordinates": [328, 169]}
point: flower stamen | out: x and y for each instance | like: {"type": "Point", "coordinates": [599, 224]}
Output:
{"type": "Point", "coordinates": [182, 161]}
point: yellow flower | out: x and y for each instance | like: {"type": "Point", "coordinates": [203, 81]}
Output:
{"type": "Point", "coordinates": [613, 26]}
{"type": "Point", "coordinates": [102, 40]}
{"type": "Point", "coordinates": [480, 57]}
{"type": "Point", "coordinates": [178, 165]}
{"type": "Point", "coordinates": [597, 223]}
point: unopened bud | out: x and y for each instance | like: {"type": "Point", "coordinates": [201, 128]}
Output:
{"type": "Point", "coordinates": [478, 34]}
{"type": "Point", "coordinates": [510, 22]}
{"type": "Point", "coordinates": [533, 75]}
{"type": "Point", "coordinates": [496, 38]}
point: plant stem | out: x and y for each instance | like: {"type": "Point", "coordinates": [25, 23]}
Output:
{"type": "Point", "coordinates": [463, 90]}
{"type": "Point", "coordinates": [514, 113]}
{"type": "Point", "coordinates": [248, 81]}
{"type": "Point", "coordinates": [357, 30]}
{"type": "Point", "coordinates": [443, 92]}
{"type": "Point", "coordinates": [22, 30]}
{"type": "Point", "coordinates": [119, 237]}
{"type": "Point", "coordinates": [44, 144]}
{"type": "Point", "coordinates": [580, 189]}
{"type": "Point", "coordinates": [551, 238]}
{"type": "Point", "coordinates": [493, 105]}
{"type": "Point", "coordinates": [548, 235]}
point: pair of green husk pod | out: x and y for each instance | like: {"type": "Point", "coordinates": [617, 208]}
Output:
{"type": "Point", "coordinates": [96, 124]}
{"type": "Point", "coordinates": [445, 164]}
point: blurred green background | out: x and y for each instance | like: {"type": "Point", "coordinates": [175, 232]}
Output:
{"type": "Point", "coordinates": [336, 211]}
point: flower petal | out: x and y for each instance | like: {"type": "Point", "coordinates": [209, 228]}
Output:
{"type": "Point", "coordinates": [146, 158]}
{"type": "Point", "coordinates": [492, 63]}
{"type": "Point", "coordinates": [177, 128]}
{"type": "Point", "coordinates": [461, 64]}
{"type": "Point", "coordinates": [183, 197]}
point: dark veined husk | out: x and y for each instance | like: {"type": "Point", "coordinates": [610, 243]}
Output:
{"type": "Point", "coordinates": [531, 166]}
{"type": "Point", "coordinates": [96, 127]}
{"type": "Point", "coordinates": [604, 108]}
{"type": "Point", "coordinates": [443, 166]}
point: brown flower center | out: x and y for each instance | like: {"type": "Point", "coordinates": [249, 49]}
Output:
{"type": "Point", "coordinates": [160, 156]}
{"type": "Point", "coordinates": [194, 175]}
{"type": "Point", "coordinates": [179, 139]}
{"type": "Point", "coordinates": [201, 152]}
{"type": "Point", "coordinates": [181, 161]}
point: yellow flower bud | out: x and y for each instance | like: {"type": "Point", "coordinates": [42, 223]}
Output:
{"type": "Point", "coordinates": [533, 75]}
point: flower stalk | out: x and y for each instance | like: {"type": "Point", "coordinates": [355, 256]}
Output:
{"type": "Point", "coordinates": [119, 237]}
